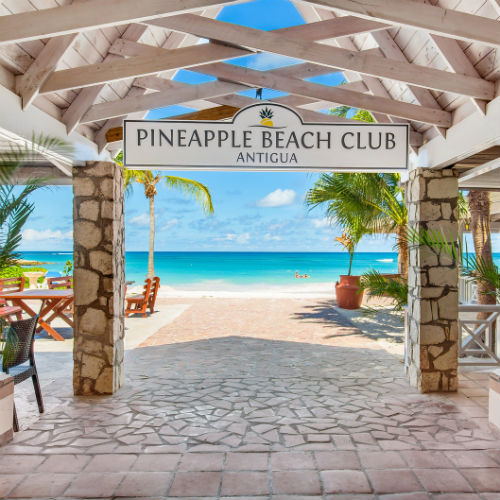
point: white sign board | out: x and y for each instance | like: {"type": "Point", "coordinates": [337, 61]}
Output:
{"type": "Point", "coordinates": [265, 136]}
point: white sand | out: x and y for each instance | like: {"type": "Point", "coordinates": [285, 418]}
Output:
{"type": "Point", "coordinates": [223, 289]}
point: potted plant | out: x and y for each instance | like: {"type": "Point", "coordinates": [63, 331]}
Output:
{"type": "Point", "coordinates": [348, 290]}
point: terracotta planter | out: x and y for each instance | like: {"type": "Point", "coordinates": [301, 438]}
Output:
{"type": "Point", "coordinates": [347, 292]}
{"type": "Point", "coordinates": [6, 408]}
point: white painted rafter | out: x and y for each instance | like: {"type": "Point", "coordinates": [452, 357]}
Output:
{"type": "Point", "coordinates": [431, 18]}
{"type": "Point", "coordinates": [28, 85]}
{"type": "Point", "coordinates": [92, 14]}
{"type": "Point", "coordinates": [335, 57]}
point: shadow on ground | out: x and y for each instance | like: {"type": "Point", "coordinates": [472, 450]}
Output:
{"type": "Point", "coordinates": [375, 326]}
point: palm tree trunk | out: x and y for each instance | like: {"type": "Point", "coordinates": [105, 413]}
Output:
{"type": "Point", "coordinates": [479, 208]}
{"type": "Point", "coordinates": [151, 256]}
{"type": "Point", "coordinates": [402, 251]}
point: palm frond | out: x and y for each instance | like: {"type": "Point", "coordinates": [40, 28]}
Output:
{"type": "Point", "coordinates": [15, 207]}
{"type": "Point", "coordinates": [382, 286]}
{"type": "Point", "coordinates": [192, 188]}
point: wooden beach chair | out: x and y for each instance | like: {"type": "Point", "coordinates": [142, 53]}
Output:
{"type": "Point", "coordinates": [138, 303]}
{"type": "Point", "coordinates": [11, 285]}
{"type": "Point", "coordinates": [152, 294]}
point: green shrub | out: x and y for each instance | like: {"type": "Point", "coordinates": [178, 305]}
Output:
{"type": "Point", "coordinates": [15, 271]}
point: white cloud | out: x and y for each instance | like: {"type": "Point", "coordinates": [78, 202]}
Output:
{"type": "Point", "coordinates": [237, 238]}
{"type": "Point", "coordinates": [325, 222]}
{"type": "Point", "coordinates": [46, 234]}
{"type": "Point", "coordinates": [272, 237]}
{"type": "Point", "coordinates": [169, 224]}
{"type": "Point", "coordinates": [140, 220]}
{"type": "Point", "coordinates": [278, 198]}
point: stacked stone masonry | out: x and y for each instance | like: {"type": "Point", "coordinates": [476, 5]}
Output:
{"type": "Point", "coordinates": [432, 200]}
{"type": "Point", "coordinates": [99, 259]}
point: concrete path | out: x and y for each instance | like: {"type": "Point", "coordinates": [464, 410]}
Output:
{"type": "Point", "coordinates": [259, 399]}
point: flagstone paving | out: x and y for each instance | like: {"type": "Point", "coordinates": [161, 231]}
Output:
{"type": "Point", "coordinates": [260, 399]}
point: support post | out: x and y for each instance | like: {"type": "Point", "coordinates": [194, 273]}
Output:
{"type": "Point", "coordinates": [99, 274]}
{"type": "Point", "coordinates": [432, 350]}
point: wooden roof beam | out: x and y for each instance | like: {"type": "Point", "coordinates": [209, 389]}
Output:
{"type": "Point", "coordinates": [119, 69]}
{"type": "Point", "coordinates": [375, 86]}
{"type": "Point", "coordinates": [92, 14]}
{"type": "Point", "coordinates": [146, 102]}
{"type": "Point", "coordinates": [332, 94]}
{"type": "Point", "coordinates": [28, 85]}
{"type": "Point", "coordinates": [431, 18]}
{"type": "Point", "coordinates": [455, 57]}
{"type": "Point", "coordinates": [87, 96]}
{"type": "Point", "coordinates": [162, 60]}
{"type": "Point", "coordinates": [334, 57]}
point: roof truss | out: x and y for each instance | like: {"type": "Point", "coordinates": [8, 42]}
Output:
{"type": "Point", "coordinates": [356, 37]}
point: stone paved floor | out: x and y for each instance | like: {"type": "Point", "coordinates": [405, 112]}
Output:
{"type": "Point", "coordinates": [260, 399]}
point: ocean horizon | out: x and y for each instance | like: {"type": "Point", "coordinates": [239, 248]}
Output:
{"type": "Point", "coordinates": [205, 270]}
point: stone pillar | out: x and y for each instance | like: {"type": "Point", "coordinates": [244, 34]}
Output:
{"type": "Point", "coordinates": [432, 350]}
{"type": "Point", "coordinates": [99, 277]}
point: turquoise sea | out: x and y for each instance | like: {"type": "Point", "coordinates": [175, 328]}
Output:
{"type": "Point", "coordinates": [191, 269]}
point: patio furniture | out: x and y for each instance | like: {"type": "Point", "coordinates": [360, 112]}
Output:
{"type": "Point", "coordinates": [21, 334]}
{"type": "Point", "coordinates": [11, 285]}
{"type": "Point", "coordinates": [152, 294]}
{"type": "Point", "coordinates": [138, 303]}
{"type": "Point", "coordinates": [60, 282]}
{"type": "Point", "coordinates": [54, 303]}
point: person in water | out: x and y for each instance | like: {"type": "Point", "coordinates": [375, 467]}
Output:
{"type": "Point", "coordinates": [297, 275]}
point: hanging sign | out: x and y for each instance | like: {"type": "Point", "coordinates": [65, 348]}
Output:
{"type": "Point", "coordinates": [265, 136]}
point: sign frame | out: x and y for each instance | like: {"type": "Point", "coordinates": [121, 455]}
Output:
{"type": "Point", "coordinates": [267, 168]}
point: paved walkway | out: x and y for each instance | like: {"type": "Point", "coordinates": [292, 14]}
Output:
{"type": "Point", "coordinates": [260, 399]}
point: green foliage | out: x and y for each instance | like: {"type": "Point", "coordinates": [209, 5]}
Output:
{"type": "Point", "coordinates": [363, 116]}
{"type": "Point", "coordinates": [470, 265]}
{"type": "Point", "coordinates": [149, 179]}
{"type": "Point", "coordinates": [15, 206]}
{"type": "Point", "coordinates": [17, 270]}
{"type": "Point", "coordinates": [360, 115]}
{"type": "Point", "coordinates": [376, 199]}
{"type": "Point", "coordinates": [383, 286]}
{"type": "Point", "coordinates": [8, 343]}
{"type": "Point", "coordinates": [68, 267]}
{"type": "Point", "coordinates": [340, 111]}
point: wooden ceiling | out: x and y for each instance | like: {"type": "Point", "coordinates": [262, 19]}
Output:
{"type": "Point", "coordinates": [92, 63]}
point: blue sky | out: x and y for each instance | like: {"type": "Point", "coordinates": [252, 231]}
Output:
{"type": "Point", "coordinates": [254, 211]}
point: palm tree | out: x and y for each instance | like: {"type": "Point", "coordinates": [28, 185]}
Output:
{"type": "Point", "coordinates": [479, 209]}
{"type": "Point", "coordinates": [377, 199]}
{"type": "Point", "coordinates": [149, 180]}
{"type": "Point", "coordinates": [354, 230]}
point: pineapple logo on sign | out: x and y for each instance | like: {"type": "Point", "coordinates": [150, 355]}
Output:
{"type": "Point", "coordinates": [266, 119]}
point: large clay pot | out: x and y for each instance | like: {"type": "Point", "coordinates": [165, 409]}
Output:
{"type": "Point", "coordinates": [348, 292]}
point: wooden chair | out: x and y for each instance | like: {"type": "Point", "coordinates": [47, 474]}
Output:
{"type": "Point", "coordinates": [152, 295]}
{"type": "Point", "coordinates": [138, 303]}
{"type": "Point", "coordinates": [62, 283]}
{"type": "Point", "coordinates": [11, 285]}
{"type": "Point", "coordinates": [21, 336]}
